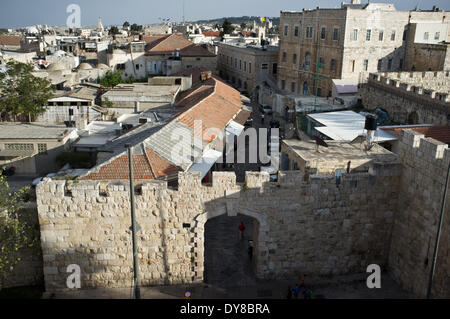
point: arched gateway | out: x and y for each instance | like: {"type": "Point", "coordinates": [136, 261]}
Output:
{"type": "Point", "coordinates": [260, 250]}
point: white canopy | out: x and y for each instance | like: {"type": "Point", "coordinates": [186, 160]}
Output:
{"type": "Point", "coordinates": [209, 158]}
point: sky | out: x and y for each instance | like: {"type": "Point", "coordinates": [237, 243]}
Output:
{"type": "Point", "coordinates": [20, 13]}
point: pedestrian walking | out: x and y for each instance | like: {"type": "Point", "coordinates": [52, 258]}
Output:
{"type": "Point", "coordinates": [307, 293]}
{"type": "Point", "coordinates": [302, 281]}
{"type": "Point", "coordinates": [296, 291]}
{"type": "Point", "coordinates": [241, 230]}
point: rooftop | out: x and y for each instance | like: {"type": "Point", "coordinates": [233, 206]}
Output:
{"type": "Point", "coordinates": [337, 151]}
{"type": "Point", "coordinates": [439, 133]}
{"type": "Point", "coordinates": [346, 126]}
{"type": "Point", "coordinates": [33, 131]}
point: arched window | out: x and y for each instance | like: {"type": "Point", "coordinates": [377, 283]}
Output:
{"type": "Point", "coordinates": [307, 61]}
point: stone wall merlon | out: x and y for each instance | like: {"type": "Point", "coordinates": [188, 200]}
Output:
{"type": "Point", "coordinates": [428, 147]}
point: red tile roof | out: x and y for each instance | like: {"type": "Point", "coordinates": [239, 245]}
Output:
{"type": "Point", "coordinates": [10, 40]}
{"type": "Point", "coordinates": [215, 110]}
{"type": "Point", "coordinates": [146, 166]}
{"type": "Point", "coordinates": [439, 133]}
{"type": "Point", "coordinates": [211, 33]}
{"type": "Point", "coordinates": [167, 44]}
{"type": "Point", "coordinates": [211, 101]}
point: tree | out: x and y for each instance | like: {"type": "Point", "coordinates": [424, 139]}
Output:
{"type": "Point", "coordinates": [107, 103]}
{"type": "Point", "coordinates": [227, 27]}
{"type": "Point", "coordinates": [126, 24]}
{"type": "Point", "coordinates": [243, 26]}
{"type": "Point", "coordinates": [114, 30]}
{"type": "Point", "coordinates": [136, 28]}
{"type": "Point", "coordinates": [113, 78]}
{"type": "Point", "coordinates": [21, 93]}
{"type": "Point", "coordinates": [15, 233]}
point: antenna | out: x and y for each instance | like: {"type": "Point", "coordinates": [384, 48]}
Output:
{"type": "Point", "coordinates": [183, 12]}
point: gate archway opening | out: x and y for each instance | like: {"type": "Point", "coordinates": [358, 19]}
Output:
{"type": "Point", "coordinates": [228, 259]}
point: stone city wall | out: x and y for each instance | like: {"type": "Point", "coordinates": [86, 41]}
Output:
{"type": "Point", "coordinates": [313, 227]}
{"type": "Point", "coordinates": [406, 99]}
{"type": "Point", "coordinates": [425, 164]}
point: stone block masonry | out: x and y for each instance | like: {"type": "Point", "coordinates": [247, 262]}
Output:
{"type": "Point", "coordinates": [309, 227]}
{"type": "Point", "coordinates": [386, 216]}
{"type": "Point", "coordinates": [410, 97]}
{"type": "Point", "coordinates": [425, 163]}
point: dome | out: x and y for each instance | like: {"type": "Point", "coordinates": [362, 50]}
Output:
{"type": "Point", "coordinates": [102, 66]}
{"type": "Point", "coordinates": [85, 66]}
{"type": "Point", "coordinates": [58, 66]}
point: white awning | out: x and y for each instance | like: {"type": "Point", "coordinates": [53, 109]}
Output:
{"type": "Point", "coordinates": [209, 158]}
{"type": "Point", "coordinates": [235, 128]}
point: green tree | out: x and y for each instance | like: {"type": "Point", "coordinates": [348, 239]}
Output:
{"type": "Point", "coordinates": [243, 26]}
{"type": "Point", "coordinates": [114, 30]}
{"type": "Point", "coordinates": [15, 232]}
{"type": "Point", "coordinates": [126, 24]}
{"type": "Point", "coordinates": [227, 27]}
{"type": "Point", "coordinates": [107, 103]}
{"type": "Point", "coordinates": [21, 93]}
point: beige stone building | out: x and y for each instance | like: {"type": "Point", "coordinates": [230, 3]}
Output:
{"type": "Point", "coordinates": [353, 41]}
{"type": "Point", "coordinates": [32, 148]}
{"type": "Point", "coordinates": [247, 65]}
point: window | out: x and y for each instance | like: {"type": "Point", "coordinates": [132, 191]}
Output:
{"type": "Point", "coordinates": [283, 84]}
{"type": "Point", "coordinates": [381, 35]}
{"type": "Point", "coordinates": [437, 35]}
{"type": "Point", "coordinates": [19, 147]}
{"type": "Point", "coordinates": [393, 35]}
{"type": "Point", "coordinates": [198, 59]}
{"type": "Point", "coordinates": [355, 35]}
{"type": "Point", "coordinates": [321, 63]}
{"type": "Point", "coordinates": [335, 34]}
{"type": "Point", "coordinates": [366, 65]}
{"type": "Point", "coordinates": [352, 65]}
{"type": "Point", "coordinates": [400, 65]}
{"type": "Point", "coordinates": [296, 31]}
{"type": "Point", "coordinates": [249, 67]}
{"type": "Point", "coordinates": [333, 65]}
{"type": "Point", "coordinates": [240, 64]}
{"type": "Point", "coordinates": [323, 33]}
{"type": "Point", "coordinates": [286, 30]}
{"type": "Point", "coordinates": [121, 66]}
{"type": "Point", "coordinates": [307, 61]}
{"type": "Point", "coordinates": [137, 67]}
{"type": "Point", "coordinates": [235, 63]}
{"type": "Point", "coordinates": [425, 36]}
{"type": "Point", "coordinates": [389, 64]}
{"type": "Point", "coordinates": [274, 68]}
{"type": "Point", "coordinates": [294, 59]}
{"type": "Point", "coordinates": [380, 64]}
{"type": "Point", "coordinates": [309, 32]}
{"type": "Point", "coordinates": [42, 149]}
{"type": "Point", "coordinates": [405, 34]}
{"type": "Point", "coordinates": [264, 66]}
{"type": "Point", "coordinates": [284, 56]}
{"type": "Point", "coordinates": [245, 66]}
{"type": "Point", "coordinates": [368, 34]}
{"type": "Point", "coordinates": [293, 87]}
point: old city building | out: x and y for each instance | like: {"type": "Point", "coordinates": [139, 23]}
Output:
{"type": "Point", "coordinates": [353, 41]}
{"type": "Point", "coordinates": [247, 65]}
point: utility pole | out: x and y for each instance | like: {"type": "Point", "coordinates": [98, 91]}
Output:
{"type": "Point", "coordinates": [137, 289]}
{"type": "Point", "coordinates": [438, 236]}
